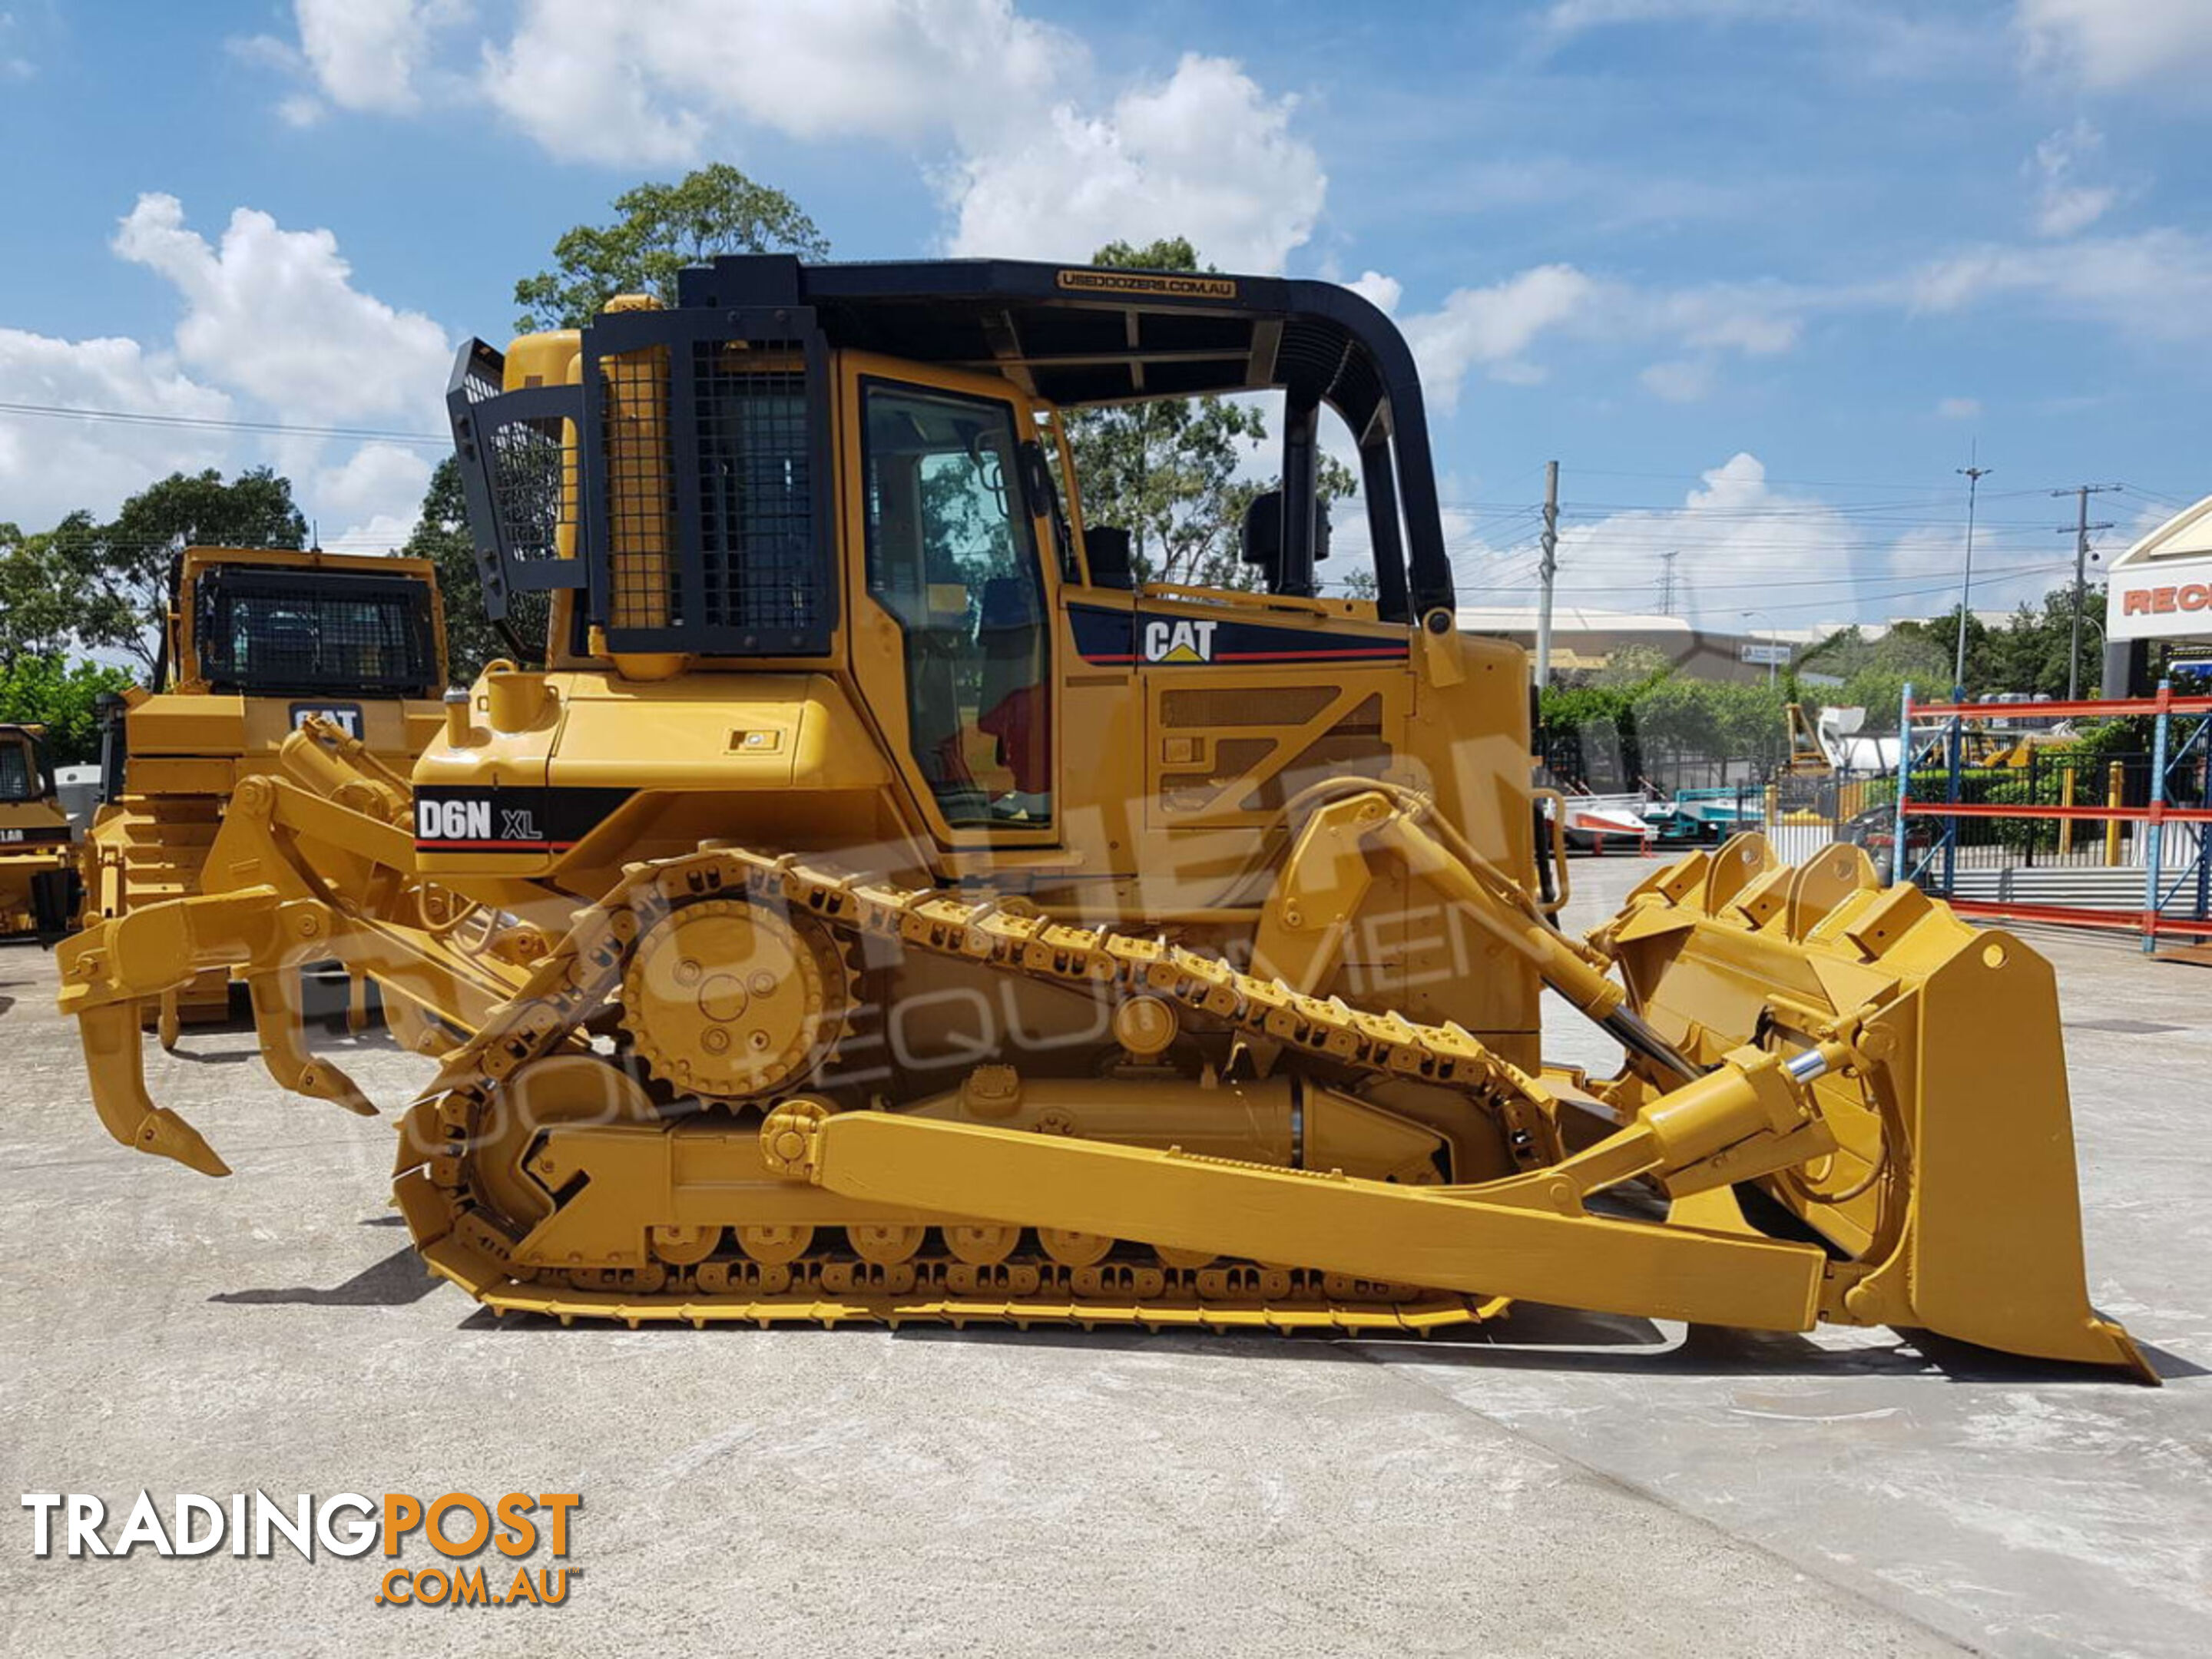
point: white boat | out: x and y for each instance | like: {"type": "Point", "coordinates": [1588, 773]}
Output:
{"type": "Point", "coordinates": [1595, 822]}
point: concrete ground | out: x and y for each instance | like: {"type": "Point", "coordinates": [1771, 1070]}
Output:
{"type": "Point", "coordinates": [1562, 1485]}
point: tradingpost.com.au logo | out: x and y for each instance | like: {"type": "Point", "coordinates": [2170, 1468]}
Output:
{"type": "Point", "coordinates": [457, 1527]}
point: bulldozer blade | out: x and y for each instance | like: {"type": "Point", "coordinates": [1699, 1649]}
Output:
{"type": "Point", "coordinates": [1953, 1192]}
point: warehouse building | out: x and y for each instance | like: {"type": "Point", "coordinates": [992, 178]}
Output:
{"type": "Point", "coordinates": [2158, 602]}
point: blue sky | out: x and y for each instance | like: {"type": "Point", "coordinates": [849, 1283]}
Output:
{"type": "Point", "coordinates": [1760, 274]}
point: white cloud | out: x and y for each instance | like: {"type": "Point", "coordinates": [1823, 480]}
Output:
{"type": "Point", "coordinates": [1494, 328]}
{"type": "Point", "coordinates": [1491, 327]}
{"type": "Point", "coordinates": [1006, 113]}
{"type": "Point", "coordinates": [51, 465]}
{"type": "Point", "coordinates": [382, 533]}
{"type": "Point", "coordinates": [1735, 533]}
{"type": "Point", "coordinates": [366, 54]}
{"type": "Point", "coordinates": [1573, 16]}
{"type": "Point", "coordinates": [1755, 556]}
{"type": "Point", "coordinates": [1383, 292]}
{"type": "Point", "coordinates": [649, 83]}
{"type": "Point", "coordinates": [272, 329]}
{"type": "Point", "coordinates": [13, 64]}
{"type": "Point", "coordinates": [273, 313]}
{"type": "Point", "coordinates": [1960, 409]}
{"type": "Point", "coordinates": [1759, 319]}
{"type": "Point", "coordinates": [2063, 203]}
{"type": "Point", "coordinates": [2109, 44]}
{"type": "Point", "coordinates": [372, 495]}
{"type": "Point", "coordinates": [1680, 381]}
{"type": "Point", "coordinates": [2158, 284]}
{"type": "Point", "coordinates": [1205, 154]}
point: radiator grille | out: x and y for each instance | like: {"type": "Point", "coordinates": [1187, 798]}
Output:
{"type": "Point", "coordinates": [1273, 705]}
{"type": "Point", "coordinates": [1351, 746]}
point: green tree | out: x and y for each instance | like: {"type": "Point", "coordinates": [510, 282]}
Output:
{"type": "Point", "coordinates": [46, 689]}
{"type": "Point", "coordinates": [442, 536]}
{"type": "Point", "coordinates": [2026, 653]}
{"type": "Point", "coordinates": [1167, 469]}
{"type": "Point", "coordinates": [659, 229]}
{"type": "Point", "coordinates": [38, 608]}
{"type": "Point", "coordinates": [119, 572]}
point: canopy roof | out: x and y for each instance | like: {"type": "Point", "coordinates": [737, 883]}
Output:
{"type": "Point", "coordinates": [1079, 335]}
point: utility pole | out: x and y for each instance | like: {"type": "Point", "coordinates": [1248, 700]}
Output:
{"type": "Point", "coordinates": [1667, 580]}
{"type": "Point", "coordinates": [2080, 533]}
{"type": "Point", "coordinates": [1772, 642]}
{"type": "Point", "coordinates": [1549, 570]}
{"type": "Point", "coordinates": [1974, 473]}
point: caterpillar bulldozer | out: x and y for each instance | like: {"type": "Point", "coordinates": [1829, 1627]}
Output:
{"type": "Point", "coordinates": [257, 640]}
{"type": "Point", "coordinates": [34, 831]}
{"type": "Point", "coordinates": [885, 904]}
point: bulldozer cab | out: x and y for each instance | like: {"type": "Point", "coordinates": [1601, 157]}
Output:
{"type": "Point", "coordinates": [29, 807]}
{"type": "Point", "coordinates": [861, 471]}
{"type": "Point", "coordinates": [34, 831]}
{"type": "Point", "coordinates": [255, 641]}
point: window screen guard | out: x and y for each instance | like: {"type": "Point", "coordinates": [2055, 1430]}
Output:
{"type": "Point", "coordinates": [18, 780]}
{"type": "Point", "coordinates": [708, 503]}
{"type": "Point", "coordinates": [517, 473]}
{"type": "Point", "coordinates": [258, 629]}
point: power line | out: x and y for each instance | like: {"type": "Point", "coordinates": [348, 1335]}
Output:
{"type": "Point", "coordinates": [2081, 527]}
{"type": "Point", "coordinates": [210, 423]}
{"type": "Point", "coordinates": [1550, 570]}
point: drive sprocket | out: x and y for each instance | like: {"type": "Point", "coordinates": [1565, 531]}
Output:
{"type": "Point", "coordinates": [728, 998]}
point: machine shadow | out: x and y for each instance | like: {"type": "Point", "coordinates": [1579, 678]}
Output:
{"type": "Point", "coordinates": [1532, 1339]}
{"type": "Point", "coordinates": [215, 1056]}
{"type": "Point", "coordinates": [397, 1280]}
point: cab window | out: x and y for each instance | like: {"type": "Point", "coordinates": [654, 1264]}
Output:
{"type": "Point", "coordinates": [952, 554]}
{"type": "Point", "coordinates": [18, 780]}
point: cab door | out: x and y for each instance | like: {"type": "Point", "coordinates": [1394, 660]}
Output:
{"type": "Point", "coordinates": [952, 601]}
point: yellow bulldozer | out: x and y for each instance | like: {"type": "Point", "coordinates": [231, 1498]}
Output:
{"type": "Point", "coordinates": [34, 831]}
{"type": "Point", "coordinates": [886, 905]}
{"type": "Point", "coordinates": [257, 642]}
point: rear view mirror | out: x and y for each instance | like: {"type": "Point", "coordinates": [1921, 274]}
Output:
{"type": "Point", "coordinates": [1107, 547]}
{"type": "Point", "coordinates": [1263, 532]}
{"type": "Point", "coordinates": [1262, 543]}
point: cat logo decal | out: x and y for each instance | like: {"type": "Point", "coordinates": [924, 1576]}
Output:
{"type": "Point", "coordinates": [1178, 641]}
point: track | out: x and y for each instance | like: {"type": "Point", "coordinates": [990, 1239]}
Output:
{"type": "Point", "coordinates": [952, 1272]}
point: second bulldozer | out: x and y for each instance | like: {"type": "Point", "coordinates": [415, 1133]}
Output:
{"type": "Point", "coordinates": [34, 831]}
{"type": "Point", "coordinates": [886, 905]}
{"type": "Point", "coordinates": [257, 640]}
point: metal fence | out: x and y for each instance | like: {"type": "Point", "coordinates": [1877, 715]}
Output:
{"type": "Point", "coordinates": [1998, 819]}
{"type": "Point", "coordinates": [2049, 834]}
{"type": "Point", "coordinates": [2151, 814]}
